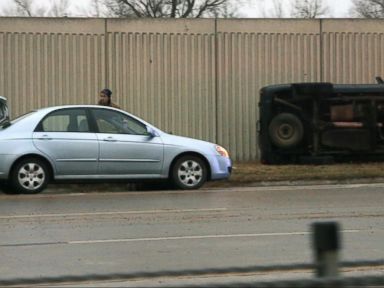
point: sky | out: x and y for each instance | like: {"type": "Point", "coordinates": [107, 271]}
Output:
{"type": "Point", "coordinates": [339, 8]}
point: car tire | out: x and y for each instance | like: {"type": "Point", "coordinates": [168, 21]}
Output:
{"type": "Point", "coordinates": [189, 172]}
{"type": "Point", "coordinates": [286, 130]}
{"type": "Point", "coordinates": [30, 176]}
{"type": "Point", "coordinates": [6, 188]}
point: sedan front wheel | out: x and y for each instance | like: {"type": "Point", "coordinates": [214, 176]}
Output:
{"type": "Point", "coordinates": [189, 172]}
{"type": "Point", "coordinates": [30, 176]}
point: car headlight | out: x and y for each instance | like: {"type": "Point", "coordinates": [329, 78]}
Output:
{"type": "Point", "coordinates": [222, 151]}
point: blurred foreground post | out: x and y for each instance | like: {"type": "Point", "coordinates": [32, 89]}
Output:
{"type": "Point", "coordinates": [326, 244]}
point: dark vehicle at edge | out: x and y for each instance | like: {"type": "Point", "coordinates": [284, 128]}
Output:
{"type": "Point", "coordinates": [323, 121]}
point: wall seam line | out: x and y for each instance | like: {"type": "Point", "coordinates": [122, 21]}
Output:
{"type": "Point", "coordinates": [321, 52]}
{"type": "Point", "coordinates": [216, 85]}
{"type": "Point", "coordinates": [106, 49]}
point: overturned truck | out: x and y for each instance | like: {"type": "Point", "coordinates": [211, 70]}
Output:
{"type": "Point", "coordinates": [320, 121]}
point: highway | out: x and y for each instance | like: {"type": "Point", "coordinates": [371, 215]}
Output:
{"type": "Point", "coordinates": [54, 234]}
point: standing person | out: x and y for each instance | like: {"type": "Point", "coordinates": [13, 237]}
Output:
{"type": "Point", "coordinates": [105, 99]}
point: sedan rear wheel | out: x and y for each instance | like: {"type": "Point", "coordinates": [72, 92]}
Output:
{"type": "Point", "coordinates": [189, 172]}
{"type": "Point", "coordinates": [30, 176]}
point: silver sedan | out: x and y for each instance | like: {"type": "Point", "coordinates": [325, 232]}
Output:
{"type": "Point", "coordinates": [87, 142]}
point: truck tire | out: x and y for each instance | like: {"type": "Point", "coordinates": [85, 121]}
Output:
{"type": "Point", "coordinates": [286, 130]}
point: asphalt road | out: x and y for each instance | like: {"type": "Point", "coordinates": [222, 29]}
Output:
{"type": "Point", "coordinates": [123, 232]}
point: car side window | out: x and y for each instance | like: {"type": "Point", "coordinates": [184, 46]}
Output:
{"type": "Point", "coordinates": [65, 120]}
{"type": "Point", "coordinates": [114, 122]}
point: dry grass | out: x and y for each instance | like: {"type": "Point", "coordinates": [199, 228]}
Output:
{"type": "Point", "coordinates": [251, 172]}
{"type": "Point", "coordinates": [245, 173]}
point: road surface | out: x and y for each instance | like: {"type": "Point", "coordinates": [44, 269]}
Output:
{"type": "Point", "coordinates": [54, 234]}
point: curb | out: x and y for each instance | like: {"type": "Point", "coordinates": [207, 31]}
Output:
{"type": "Point", "coordinates": [121, 187]}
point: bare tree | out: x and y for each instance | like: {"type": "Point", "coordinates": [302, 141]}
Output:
{"type": "Point", "coordinates": [309, 9]}
{"type": "Point", "coordinates": [31, 8]}
{"type": "Point", "coordinates": [96, 7]}
{"type": "Point", "coordinates": [59, 8]}
{"type": "Point", "coordinates": [129, 8]}
{"type": "Point", "coordinates": [368, 8]}
{"type": "Point", "coordinates": [278, 10]}
{"type": "Point", "coordinates": [24, 7]}
{"type": "Point", "coordinates": [229, 10]}
{"type": "Point", "coordinates": [8, 11]}
{"type": "Point", "coordinates": [170, 8]}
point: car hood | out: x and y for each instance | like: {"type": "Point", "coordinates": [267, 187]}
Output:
{"type": "Point", "coordinates": [189, 144]}
{"type": "Point", "coordinates": [4, 114]}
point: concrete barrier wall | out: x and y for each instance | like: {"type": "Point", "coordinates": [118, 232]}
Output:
{"type": "Point", "coordinates": [194, 77]}
{"type": "Point", "coordinates": [250, 55]}
{"type": "Point", "coordinates": [164, 71]}
{"type": "Point", "coordinates": [46, 62]}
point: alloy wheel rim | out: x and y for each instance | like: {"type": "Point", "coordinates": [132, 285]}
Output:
{"type": "Point", "coordinates": [31, 176]}
{"type": "Point", "coordinates": [190, 173]}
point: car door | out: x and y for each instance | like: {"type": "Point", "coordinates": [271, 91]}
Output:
{"type": "Point", "coordinates": [64, 136]}
{"type": "Point", "coordinates": [125, 146]}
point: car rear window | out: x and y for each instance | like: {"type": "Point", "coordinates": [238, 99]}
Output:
{"type": "Point", "coordinates": [18, 118]}
{"type": "Point", "coordinates": [7, 124]}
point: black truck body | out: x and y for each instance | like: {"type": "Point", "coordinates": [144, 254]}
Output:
{"type": "Point", "coordinates": [320, 120]}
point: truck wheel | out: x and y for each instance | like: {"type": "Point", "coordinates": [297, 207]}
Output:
{"type": "Point", "coordinates": [286, 130]}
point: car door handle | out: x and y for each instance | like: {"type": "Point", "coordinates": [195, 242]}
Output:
{"type": "Point", "coordinates": [44, 137]}
{"type": "Point", "coordinates": [109, 139]}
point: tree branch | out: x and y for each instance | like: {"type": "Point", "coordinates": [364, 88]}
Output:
{"type": "Point", "coordinates": [132, 7]}
{"type": "Point", "coordinates": [190, 4]}
{"type": "Point", "coordinates": [25, 6]}
{"type": "Point", "coordinates": [167, 8]}
{"type": "Point", "coordinates": [173, 8]}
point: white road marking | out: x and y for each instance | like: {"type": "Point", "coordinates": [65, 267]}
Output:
{"type": "Point", "coordinates": [319, 187]}
{"type": "Point", "coordinates": [197, 237]}
{"type": "Point", "coordinates": [113, 213]}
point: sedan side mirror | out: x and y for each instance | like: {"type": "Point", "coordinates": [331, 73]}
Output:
{"type": "Point", "coordinates": [151, 132]}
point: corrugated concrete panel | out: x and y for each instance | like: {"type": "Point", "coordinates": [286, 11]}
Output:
{"type": "Point", "coordinates": [195, 77]}
{"type": "Point", "coordinates": [167, 79]}
{"type": "Point", "coordinates": [39, 70]}
{"type": "Point", "coordinates": [249, 61]}
{"type": "Point", "coordinates": [269, 26]}
{"type": "Point", "coordinates": [352, 26]}
{"type": "Point", "coordinates": [52, 25]}
{"type": "Point", "coordinates": [162, 26]}
{"type": "Point", "coordinates": [163, 70]}
{"type": "Point", "coordinates": [51, 61]}
{"type": "Point", "coordinates": [352, 51]}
